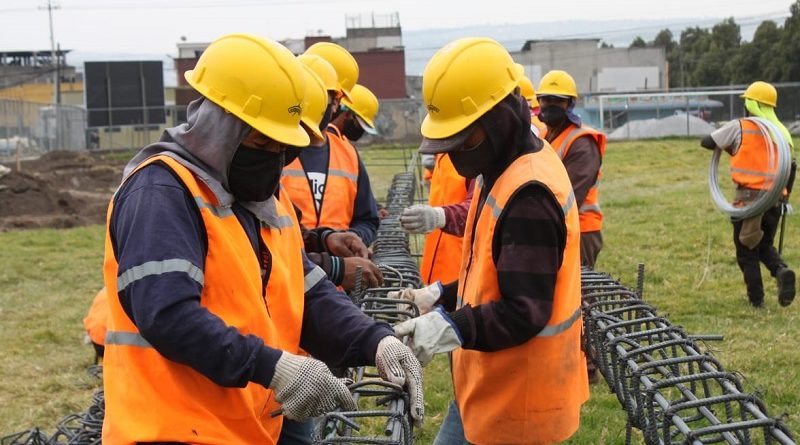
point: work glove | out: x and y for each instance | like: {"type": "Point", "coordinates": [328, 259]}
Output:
{"type": "Point", "coordinates": [430, 334]}
{"type": "Point", "coordinates": [422, 218]}
{"type": "Point", "coordinates": [371, 276]}
{"type": "Point", "coordinates": [424, 298]}
{"type": "Point", "coordinates": [346, 244]}
{"type": "Point", "coordinates": [306, 388]}
{"type": "Point", "coordinates": [397, 364]}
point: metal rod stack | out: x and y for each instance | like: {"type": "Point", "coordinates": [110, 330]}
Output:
{"type": "Point", "coordinates": [672, 390]}
{"type": "Point", "coordinates": [383, 416]}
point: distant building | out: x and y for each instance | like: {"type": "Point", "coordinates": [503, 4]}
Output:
{"type": "Point", "coordinates": [28, 76]}
{"type": "Point", "coordinates": [375, 41]}
{"type": "Point", "coordinates": [595, 69]}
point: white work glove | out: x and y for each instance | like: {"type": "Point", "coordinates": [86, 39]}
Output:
{"type": "Point", "coordinates": [424, 298]}
{"type": "Point", "coordinates": [306, 388]}
{"type": "Point", "coordinates": [422, 218]}
{"type": "Point", "coordinates": [430, 334]}
{"type": "Point", "coordinates": [397, 364]}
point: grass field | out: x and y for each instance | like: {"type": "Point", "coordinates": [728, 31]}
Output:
{"type": "Point", "coordinates": [658, 212]}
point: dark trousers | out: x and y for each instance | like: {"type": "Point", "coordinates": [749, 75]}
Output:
{"type": "Point", "coordinates": [764, 252]}
{"type": "Point", "coordinates": [591, 243]}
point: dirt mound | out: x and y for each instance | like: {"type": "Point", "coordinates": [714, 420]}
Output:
{"type": "Point", "coordinates": [59, 189]}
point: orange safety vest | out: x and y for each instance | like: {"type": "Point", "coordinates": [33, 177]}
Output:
{"type": "Point", "coordinates": [341, 185]}
{"type": "Point", "coordinates": [442, 253]}
{"type": "Point", "coordinates": [750, 165]}
{"type": "Point", "coordinates": [590, 214]}
{"type": "Point", "coordinates": [531, 393]}
{"type": "Point", "coordinates": [150, 398]}
{"type": "Point", "coordinates": [96, 320]}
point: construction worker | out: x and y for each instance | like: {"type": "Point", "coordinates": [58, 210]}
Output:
{"type": "Point", "coordinates": [203, 338]}
{"type": "Point", "coordinates": [328, 181]}
{"type": "Point", "coordinates": [339, 253]}
{"type": "Point", "coordinates": [753, 237]}
{"type": "Point", "coordinates": [95, 323]}
{"type": "Point", "coordinates": [581, 148]}
{"type": "Point", "coordinates": [443, 219]}
{"type": "Point", "coordinates": [529, 93]}
{"type": "Point", "coordinates": [513, 318]}
{"type": "Point", "coordinates": [357, 113]}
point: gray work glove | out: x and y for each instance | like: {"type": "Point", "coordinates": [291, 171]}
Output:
{"type": "Point", "coordinates": [422, 218]}
{"type": "Point", "coordinates": [424, 298]}
{"type": "Point", "coordinates": [306, 388]}
{"type": "Point", "coordinates": [397, 364]}
{"type": "Point", "coordinates": [430, 334]}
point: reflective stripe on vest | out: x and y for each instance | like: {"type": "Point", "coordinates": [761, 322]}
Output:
{"type": "Point", "coordinates": [126, 339]}
{"type": "Point", "coordinates": [442, 252]}
{"type": "Point", "coordinates": [591, 216]}
{"type": "Point", "coordinates": [536, 389]}
{"type": "Point", "coordinates": [341, 186]}
{"type": "Point", "coordinates": [157, 268]}
{"type": "Point", "coordinates": [172, 402]}
{"type": "Point", "coordinates": [750, 165]}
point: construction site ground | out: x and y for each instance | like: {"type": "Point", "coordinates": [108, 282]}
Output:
{"type": "Point", "coordinates": [59, 189]}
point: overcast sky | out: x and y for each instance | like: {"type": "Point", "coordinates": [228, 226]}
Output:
{"type": "Point", "coordinates": [147, 26]}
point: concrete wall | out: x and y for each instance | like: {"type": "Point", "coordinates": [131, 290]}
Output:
{"type": "Point", "coordinates": [398, 121]}
{"type": "Point", "coordinates": [583, 59]}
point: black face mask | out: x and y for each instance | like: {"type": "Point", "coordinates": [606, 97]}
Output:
{"type": "Point", "coordinates": [326, 118]}
{"type": "Point", "coordinates": [552, 115]}
{"type": "Point", "coordinates": [352, 130]}
{"type": "Point", "coordinates": [254, 174]}
{"type": "Point", "coordinates": [472, 163]}
{"type": "Point", "coordinates": [290, 155]}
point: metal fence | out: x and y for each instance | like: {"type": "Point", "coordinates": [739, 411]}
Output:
{"type": "Point", "coordinates": [30, 129]}
{"type": "Point", "coordinates": [685, 113]}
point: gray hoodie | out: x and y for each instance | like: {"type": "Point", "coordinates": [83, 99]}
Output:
{"type": "Point", "coordinates": [205, 144]}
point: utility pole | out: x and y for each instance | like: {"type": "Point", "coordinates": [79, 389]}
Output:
{"type": "Point", "coordinates": [54, 62]}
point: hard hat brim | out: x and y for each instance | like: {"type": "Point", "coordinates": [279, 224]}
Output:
{"type": "Point", "coordinates": [368, 127]}
{"type": "Point", "coordinates": [313, 131]}
{"type": "Point", "coordinates": [444, 145]}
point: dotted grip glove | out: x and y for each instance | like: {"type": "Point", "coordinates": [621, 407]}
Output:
{"type": "Point", "coordinates": [306, 388]}
{"type": "Point", "coordinates": [397, 364]}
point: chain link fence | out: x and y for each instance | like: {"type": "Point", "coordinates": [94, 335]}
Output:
{"type": "Point", "coordinates": [684, 113]}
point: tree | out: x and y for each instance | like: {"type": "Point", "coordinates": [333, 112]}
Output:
{"type": "Point", "coordinates": [790, 45]}
{"type": "Point", "coordinates": [665, 40]}
{"type": "Point", "coordinates": [638, 42]}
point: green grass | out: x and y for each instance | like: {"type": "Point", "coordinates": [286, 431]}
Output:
{"type": "Point", "coordinates": [658, 212]}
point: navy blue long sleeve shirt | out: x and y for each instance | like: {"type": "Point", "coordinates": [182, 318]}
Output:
{"type": "Point", "coordinates": [156, 219]}
{"type": "Point", "coordinates": [365, 210]}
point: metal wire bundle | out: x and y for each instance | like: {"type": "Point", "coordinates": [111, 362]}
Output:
{"type": "Point", "coordinates": [75, 429]}
{"type": "Point", "coordinates": [778, 162]}
{"type": "Point", "coordinates": [671, 390]}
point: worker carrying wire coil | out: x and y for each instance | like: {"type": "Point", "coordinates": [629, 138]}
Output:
{"type": "Point", "coordinates": [763, 171]}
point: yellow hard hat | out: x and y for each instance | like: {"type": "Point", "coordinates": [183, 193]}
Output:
{"type": "Point", "coordinates": [762, 92]}
{"type": "Point", "coordinates": [315, 103]}
{"type": "Point", "coordinates": [528, 92]}
{"type": "Point", "coordinates": [256, 79]}
{"type": "Point", "coordinates": [464, 80]}
{"type": "Point", "coordinates": [342, 61]}
{"type": "Point", "coordinates": [364, 104]}
{"type": "Point", "coordinates": [557, 83]}
{"type": "Point", "coordinates": [322, 68]}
